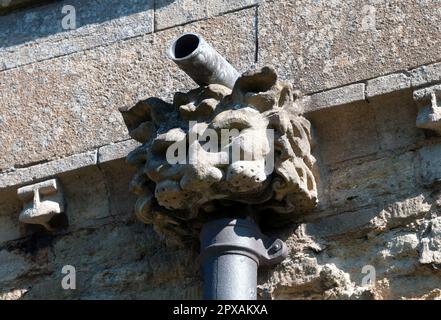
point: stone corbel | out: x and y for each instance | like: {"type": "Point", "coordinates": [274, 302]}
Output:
{"type": "Point", "coordinates": [429, 108]}
{"type": "Point", "coordinates": [41, 202]}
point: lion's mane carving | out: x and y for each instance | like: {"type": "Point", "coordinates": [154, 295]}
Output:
{"type": "Point", "coordinates": [178, 198]}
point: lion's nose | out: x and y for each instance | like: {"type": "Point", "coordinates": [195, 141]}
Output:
{"type": "Point", "coordinates": [245, 176]}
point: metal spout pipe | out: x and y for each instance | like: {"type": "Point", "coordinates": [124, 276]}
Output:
{"type": "Point", "coordinates": [201, 61]}
{"type": "Point", "coordinates": [231, 252]}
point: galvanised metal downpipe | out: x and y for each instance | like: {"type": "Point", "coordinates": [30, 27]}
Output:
{"type": "Point", "coordinates": [231, 252]}
{"type": "Point", "coordinates": [201, 61]}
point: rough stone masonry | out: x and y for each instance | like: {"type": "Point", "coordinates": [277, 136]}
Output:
{"type": "Point", "coordinates": [368, 74]}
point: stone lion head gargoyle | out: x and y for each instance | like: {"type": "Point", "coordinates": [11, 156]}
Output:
{"type": "Point", "coordinates": [264, 169]}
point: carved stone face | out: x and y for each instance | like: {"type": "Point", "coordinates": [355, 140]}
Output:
{"type": "Point", "coordinates": [215, 150]}
{"type": "Point", "coordinates": [226, 155]}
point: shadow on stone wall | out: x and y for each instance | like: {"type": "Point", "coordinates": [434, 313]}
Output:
{"type": "Point", "coordinates": [44, 18]}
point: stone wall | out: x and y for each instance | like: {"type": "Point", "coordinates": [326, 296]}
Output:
{"type": "Point", "coordinates": [357, 64]}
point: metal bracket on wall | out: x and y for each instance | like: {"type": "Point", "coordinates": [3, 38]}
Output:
{"type": "Point", "coordinates": [41, 202]}
{"type": "Point", "coordinates": [231, 252]}
{"type": "Point", "coordinates": [429, 108]}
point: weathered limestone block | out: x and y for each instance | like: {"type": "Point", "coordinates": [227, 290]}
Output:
{"type": "Point", "coordinates": [218, 7]}
{"type": "Point", "coordinates": [430, 164]}
{"type": "Point", "coordinates": [426, 74]}
{"type": "Point", "coordinates": [337, 97]}
{"type": "Point", "coordinates": [42, 201]}
{"type": "Point", "coordinates": [115, 151]}
{"type": "Point", "coordinates": [9, 5]}
{"type": "Point", "coordinates": [10, 206]}
{"type": "Point", "coordinates": [430, 252]}
{"type": "Point", "coordinates": [48, 169]}
{"type": "Point", "coordinates": [68, 105]}
{"type": "Point", "coordinates": [362, 185]}
{"type": "Point", "coordinates": [385, 123]}
{"type": "Point", "coordinates": [180, 191]}
{"type": "Point", "coordinates": [324, 267]}
{"type": "Point", "coordinates": [169, 13]}
{"type": "Point", "coordinates": [429, 104]}
{"type": "Point", "coordinates": [145, 268]}
{"type": "Point", "coordinates": [37, 33]}
{"type": "Point", "coordinates": [387, 84]}
{"type": "Point", "coordinates": [14, 294]}
{"type": "Point", "coordinates": [13, 265]}
{"type": "Point", "coordinates": [328, 44]}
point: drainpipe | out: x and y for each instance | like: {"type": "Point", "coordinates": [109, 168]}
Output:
{"type": "Point", "coordinates": [231, 249]}
{"type": "Point", "coordinates": [201, 61]}
{"type": "Point", "coordinates": [231, 252]}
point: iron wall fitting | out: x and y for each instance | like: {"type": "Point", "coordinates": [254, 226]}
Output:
{"type": "Point", "coordinates": [429, 108]}
{"type": "Point", "coordinates": [41, 202]}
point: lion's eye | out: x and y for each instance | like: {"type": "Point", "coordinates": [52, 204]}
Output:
{"type": "Point", "coordinates": [238, 123]}
{"type": "Point", "coordinates": [163, 141]}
